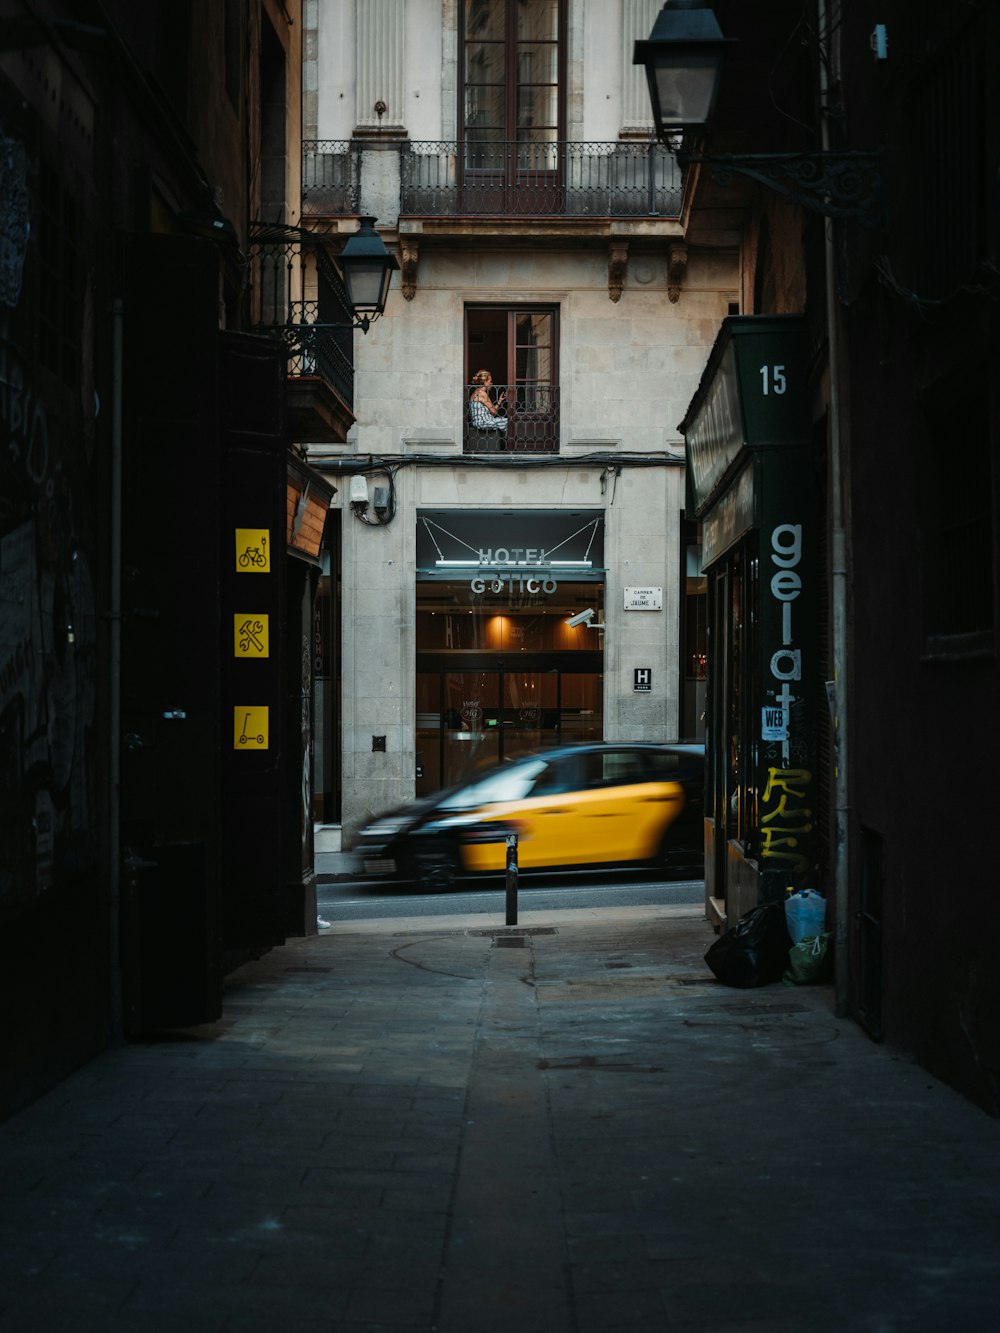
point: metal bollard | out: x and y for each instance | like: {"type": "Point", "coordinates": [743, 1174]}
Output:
{"type": "Point", "coordinates": [511, 879]}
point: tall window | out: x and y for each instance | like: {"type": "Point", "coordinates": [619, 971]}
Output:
{"type": "Point", "coordinates": [518, 347]}
{"type": "Point", "coordinates": [510, 79]}
{"type": "Point", "coordinates": [957, 522]}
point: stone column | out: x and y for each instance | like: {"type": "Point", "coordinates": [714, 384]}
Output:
{"type": "Point", "coordinates": [380, 45]}
{"type": "Point", "coordinates": [310, 69]}
{"type": "Point", "coordinates": [638, 17]}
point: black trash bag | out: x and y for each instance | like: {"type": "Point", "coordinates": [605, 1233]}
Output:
{"type": "Point", "coordinates": [755, 951]}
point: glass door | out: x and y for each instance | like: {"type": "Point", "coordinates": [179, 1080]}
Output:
{"type": "Point", "coordinates": [511, 106]}
{"type": "Point", "coordinates": [471, 724]}
{"type": "Point", "coordinates": [500, 673]}
{"type": "Point", "coordinates": [530, 718]}
{"type": "Point", "coordinates": [470, 720]}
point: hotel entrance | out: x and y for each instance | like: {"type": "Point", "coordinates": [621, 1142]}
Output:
{"type": "Point", "coordinates": [499, 672]}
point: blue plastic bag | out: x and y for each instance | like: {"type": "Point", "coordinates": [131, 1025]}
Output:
{"type": "Point", "coordinates": [805, 913]}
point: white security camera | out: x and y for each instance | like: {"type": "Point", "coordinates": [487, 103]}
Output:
{"type": "Point", "coordinates": [581, 618]}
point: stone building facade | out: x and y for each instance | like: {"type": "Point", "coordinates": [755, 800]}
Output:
{"type": "Point", "coordinates": [508, 156]}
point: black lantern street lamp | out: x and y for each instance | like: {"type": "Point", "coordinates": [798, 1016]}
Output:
{"type": "Point", "coordinates": [366, 267]}
{"type": "Point", "coordinates": [683, 58]}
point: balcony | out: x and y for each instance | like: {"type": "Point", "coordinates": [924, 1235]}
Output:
{"type": "Point", "coordinates": [529, 423]}
{"type": "Point", "coordinates": [320, 385]}
{"type": "Point", "coordinates": [331, 175]}
{"type": "Point", "coordinates": [559, 179]}
{"type": "Point", "coordinates": [317, 329]}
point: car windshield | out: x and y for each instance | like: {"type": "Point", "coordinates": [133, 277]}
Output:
{"type": "Point", "coordinates": [506, 784]}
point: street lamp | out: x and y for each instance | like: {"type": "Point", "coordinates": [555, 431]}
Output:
{"type": "Point", "coordinates": [683, 59]}
{"type": "Point", "coordinates": [366, 267]}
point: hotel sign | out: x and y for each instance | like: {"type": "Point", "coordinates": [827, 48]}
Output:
{"type": "Point", "coordinates": [524, 550]}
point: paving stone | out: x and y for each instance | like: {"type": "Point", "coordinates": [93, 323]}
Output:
{"type": "Point", "coordinates": [397, 1128]}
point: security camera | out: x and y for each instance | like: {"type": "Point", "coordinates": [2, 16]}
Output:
{"type": "Point", "coordinates": [581, 618]}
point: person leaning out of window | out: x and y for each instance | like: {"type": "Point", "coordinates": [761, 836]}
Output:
{"type": "Point", "coordinates": [483, 412]}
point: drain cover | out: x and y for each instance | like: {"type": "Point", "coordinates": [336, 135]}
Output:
{"type": "Point", "coordinates": [514, 932]}
{"type": "Point", "coordinates": [510, 942]}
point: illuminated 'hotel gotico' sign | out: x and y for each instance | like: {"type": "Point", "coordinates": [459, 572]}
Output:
{"type": "Point", "coordinates": [514, 551]}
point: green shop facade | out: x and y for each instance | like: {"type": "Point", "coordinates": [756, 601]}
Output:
{"type": "Point", "coordinates": [751, 487]}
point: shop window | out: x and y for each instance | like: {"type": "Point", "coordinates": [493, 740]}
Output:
{"type": "Point", "coordinates": [518, 348]}
{"type": "Point", "coordinates": [694, 633]}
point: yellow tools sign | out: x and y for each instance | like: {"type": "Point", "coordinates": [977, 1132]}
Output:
{"type": "Point", "coordinates": [250, 635]}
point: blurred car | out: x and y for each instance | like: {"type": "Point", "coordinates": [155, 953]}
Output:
{"type": "Point", "coordinates": [598, 804]}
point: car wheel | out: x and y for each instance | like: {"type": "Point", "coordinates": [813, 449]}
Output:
{"type": "Point", "coordinates": [434, 867]}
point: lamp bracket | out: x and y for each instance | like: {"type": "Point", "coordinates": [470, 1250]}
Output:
{"type": "Point", "coordinates": [837, 184]}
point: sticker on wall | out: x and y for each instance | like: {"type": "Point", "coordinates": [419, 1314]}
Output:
{"type": "Point", "coordinates": [250, 727]}
{"type": "Point", "coordinates": [250, 635]}
{"type": "Point", "coordinates": [253, 550]}
{"type": "Point", "coordinates": [774, 724]}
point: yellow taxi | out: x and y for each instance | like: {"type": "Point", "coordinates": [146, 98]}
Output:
{"type": "Point", "coordinates": [598, 804]}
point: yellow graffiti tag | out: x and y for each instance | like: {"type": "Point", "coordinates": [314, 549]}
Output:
{"type": "Point", "coordinates": [787, 786]}
{"type": "Point", "coordinates": [776, 838]}
{"type": "Point", "coordinates": [791, 780]}
{"type": "Point", "coordinates": [781, 810]}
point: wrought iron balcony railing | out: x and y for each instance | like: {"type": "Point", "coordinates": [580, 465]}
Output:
{"type": "Point", "coordinates": [318, 333]}
{"type": "Point", "coordinates": [319, 349]}
{"type": "Point", "coordinates": [528, 422]}
{"type": "Point", "coordinates": [510, 179]}
{"type": "Point", "coordinates": [620, 179]}
{"type": "Point", "coordinates": [331, 174]}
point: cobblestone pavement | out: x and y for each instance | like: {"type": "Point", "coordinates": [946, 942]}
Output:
{"type": "Point", "coordinates": [457, 1127]}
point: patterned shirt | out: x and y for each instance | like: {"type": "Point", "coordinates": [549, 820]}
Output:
{"type": "Point", "coordinates": [482, 418]}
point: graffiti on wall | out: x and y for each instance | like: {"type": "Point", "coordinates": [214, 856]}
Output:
{"type": "Point", "coordinates": [786, 821]}
{"type": "Point", "coordinates": [15, 217]}
{"type": "Point", "coordinates": [48, 641]}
